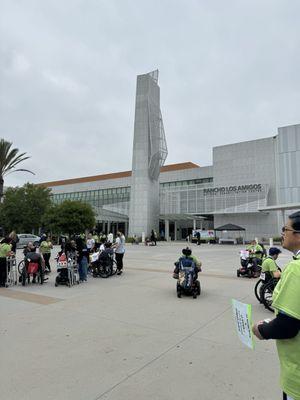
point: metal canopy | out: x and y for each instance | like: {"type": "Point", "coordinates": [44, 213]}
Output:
{"type": "Point", "coordinates": [230, 227]}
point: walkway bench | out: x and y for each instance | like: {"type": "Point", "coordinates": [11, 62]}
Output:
{"type": "Point", "coordinates": [227, 241]}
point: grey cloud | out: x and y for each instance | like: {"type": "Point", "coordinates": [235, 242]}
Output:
{"type": "Point", "coordinates": [228, 73]}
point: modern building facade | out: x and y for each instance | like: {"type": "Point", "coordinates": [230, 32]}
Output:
{"type": "Point", "coordinates": [246, 184]}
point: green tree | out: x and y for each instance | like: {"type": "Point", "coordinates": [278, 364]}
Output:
{"type": "Point", "coordinates": [50, 220]}
{"type": "Point", "coordinates": [23, 208]}
{"type": "Point", "coordinates": [69, 217]}
{"type": "Point", "coordinates": [9, 159]}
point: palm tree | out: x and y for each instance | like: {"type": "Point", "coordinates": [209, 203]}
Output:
{"type": "Point", "coordinates": [9, 158]}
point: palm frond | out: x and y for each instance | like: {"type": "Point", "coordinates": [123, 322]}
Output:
{"type": "Point", "coordinates": [9, 158]}
{"type": "Point", "coordinates": [15, 162]}
{"type": "Point", "coordinates": [20, 169]}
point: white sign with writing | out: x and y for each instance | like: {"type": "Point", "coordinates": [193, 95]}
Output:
{"type": "Point", "coordinates": [242, 314]}
{"type": "Point", "coordinates": [204, 234]}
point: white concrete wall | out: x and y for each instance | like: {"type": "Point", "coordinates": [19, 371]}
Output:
{"type": "Point", "coordinates": [244, 163]}
{"type": "Point", "coordinates": [289, 164]}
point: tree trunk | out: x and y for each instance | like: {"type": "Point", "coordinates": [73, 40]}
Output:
{"type": "Point", "coordinates": [1, 188]}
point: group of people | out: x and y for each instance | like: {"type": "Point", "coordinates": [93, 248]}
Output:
{"type": "Point", "coordinates": [80, 247]}
{"type": "Point", "coordinates": [95, 245]}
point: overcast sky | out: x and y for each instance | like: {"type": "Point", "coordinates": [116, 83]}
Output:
{"type": "Point", "coordinates": [229, 72]}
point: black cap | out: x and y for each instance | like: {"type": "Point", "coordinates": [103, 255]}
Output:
{"type": "Point", "coordinates": [273, 251]}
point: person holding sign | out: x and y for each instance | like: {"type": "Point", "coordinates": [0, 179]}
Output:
{"type": "Point", "coordinates": [285, 328]}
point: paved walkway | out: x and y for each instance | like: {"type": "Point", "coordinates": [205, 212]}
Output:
{"type": "Point", "coordinates": [129, 337]}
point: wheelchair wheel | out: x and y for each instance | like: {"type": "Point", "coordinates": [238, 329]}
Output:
{"type": "Point", "coordinates": [105, 271]}
{"type": "Point", "coordinates": [198, 288]}
{"type": "Point", "coordinates": [266, 295]}
{"type": "Point", "coordinates": [24, 277]}
{"type": "Point", "coordinates": [114, 268]}
{"type": "Point", "coordinates": [257, 288]}
{"type": "Point", "coordinates": [21, 265]}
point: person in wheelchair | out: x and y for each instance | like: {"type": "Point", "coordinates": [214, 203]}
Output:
{"type": "Point", "coordinates": [32, 257]}
{"type": "Point", "coordinates": [256, 253]}
{"type": "Point", "coordinates": [103, 266]}
{"type": "Point", "coordinates": [269, 267]}
{"type": "Point", "coordinates": [187, 254]}
{"type": "Point", "coordinates": [186, 272]}
{"type": "Point", "coordinates": [30, 248]}
{"type": "Point", "coordinates": [106, 256]}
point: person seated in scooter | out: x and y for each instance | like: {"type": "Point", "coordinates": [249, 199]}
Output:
{"type": "Point", "coordinates": [255, 254]}
{"type": "Point", "coordinates": [187, 253]}
{"type": "Point", "coordinates": [269, 265]}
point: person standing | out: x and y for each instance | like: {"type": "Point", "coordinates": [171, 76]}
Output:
{"type": "Point", "coordinates": [96, 240]}
{"type": "Point", "coordinates": [82, 259]}
{"type": "Point", "coordinates": [90, 242]}
{"type": "Point", "coordinates": [45, 249]}
{"type": "Point", "coordinates": [119, 251]}
{"type": "Point", "coordinates": [14, 241]}
{"type": "Point", "coordinates": [5, 251]}
{"type": "Point", "coordinates": [110, 237]}
{"type": "Point", "coordinates": [285, 327]}
{"type": "Point", "coordinates": [198, 235]}
{"type": "Point", "coordinates": [153, 237]}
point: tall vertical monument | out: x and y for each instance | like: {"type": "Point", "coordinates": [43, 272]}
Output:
{"type": "Point", "coordinates": [149, 154]}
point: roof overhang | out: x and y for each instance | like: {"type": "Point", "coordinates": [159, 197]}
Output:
{"type": "Point", "coordinates": [280, 207]}
{"type": "Point", "coordinates": [181, 217]}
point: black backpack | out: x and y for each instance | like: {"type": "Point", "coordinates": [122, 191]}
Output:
{"type": "Point", "coordinates": [187, 272]}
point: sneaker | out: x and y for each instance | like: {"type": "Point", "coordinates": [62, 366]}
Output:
{"type": "Point", "coordinates": [119, 272]}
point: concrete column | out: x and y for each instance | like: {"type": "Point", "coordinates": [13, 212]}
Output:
{"type": "Point", "coordinates": [167, 229]}
{"type": "Point", "coordinates": [201, 224]}
{"type": "Point", "coordinates": [108, 226]}
{"type": "Point", "coordinates": [118, 228]}
{"type": "Point", "coordinates": [283, 217]}
{"type": "Point", "coordinates": [175, 230]}
{"type": "Point", "coordinates": [194, 224]}
{"type": "Point", "coordinates": [126, 229]}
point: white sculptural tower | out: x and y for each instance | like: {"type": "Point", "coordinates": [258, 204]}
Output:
{"type": "Point", "coordinates": [149, 154]}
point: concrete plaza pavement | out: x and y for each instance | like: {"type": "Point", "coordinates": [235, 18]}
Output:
{"type": "Point", "coordinates": [129, 337]}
